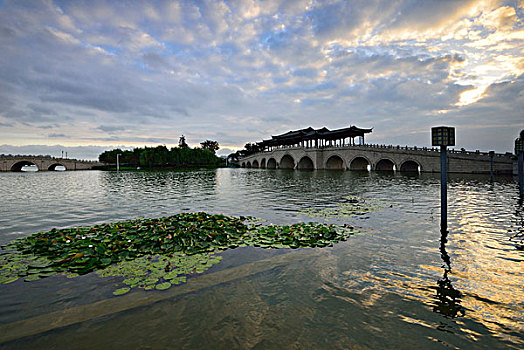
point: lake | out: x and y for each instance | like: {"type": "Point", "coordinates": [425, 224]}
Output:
{"type": "Point", "coordinates": [397, 284]}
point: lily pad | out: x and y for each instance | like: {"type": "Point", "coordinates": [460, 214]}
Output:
{"type": "Point", "coordinates": [349, 206]}
{"type": "Point", "coordinates": [163, 286]}
{"type": "Point", "coordinates": [121, 291]}
{"type": "Point", "coordinates": [32, 278]}
{"type": "Point", "coordinates": [8, 280]}
{"type": "Point", "coordinates": [148, 253]}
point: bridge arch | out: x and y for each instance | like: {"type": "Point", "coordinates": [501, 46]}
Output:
{"type": "Point", "coordinates": [54, 166]}
{"type": "Point", "coordinates": [271, 163]}
{"type": "Point", "coordinates": [255, 164]}
{"type": "Point", "coordinates": [410, 166]}
{"type": "Point", "coordinates": [17, 167]}
{"type": "Point", "coordinates": [287, 162]}
{"type": "Point", "coordinates": [335, 162]}
{"type": "Point", "coordinates": [306, 163]}
{"type": "Point", "coordinates": [248, 164]}
{"type": "Point", "coordinates": [385, 164]}
{"type": "Point", "coordinates": [263, 163]}
{"type": "Point", "coordinates": [243, 165]}
{"type": "Point", "coordinates": [359, 163]}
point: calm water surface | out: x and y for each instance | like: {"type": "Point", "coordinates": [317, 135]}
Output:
{"type": "Point", "coordinates": [399, 284]}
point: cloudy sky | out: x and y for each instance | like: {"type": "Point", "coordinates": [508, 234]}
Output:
{"type": "Point", "coordinates": [85, 76]}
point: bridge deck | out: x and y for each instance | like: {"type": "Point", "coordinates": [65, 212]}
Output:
{"type": "Point", "coordinates": [378, 158]}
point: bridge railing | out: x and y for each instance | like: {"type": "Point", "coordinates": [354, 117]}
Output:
{"type": "Point", "coordinates": [11, 156]}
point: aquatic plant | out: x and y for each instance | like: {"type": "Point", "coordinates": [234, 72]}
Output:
{"type": "Point", "coordinates": [153, 253]}
{"type": "Point", "coordinates": [159, 271]}
{"type": "Point", "coordinates": [349, 206]}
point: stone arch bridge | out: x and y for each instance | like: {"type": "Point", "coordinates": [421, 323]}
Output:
{"type": "Point", "coordinates": [377, 158]}
{"type": "Point", "coordinates": [15, 163]}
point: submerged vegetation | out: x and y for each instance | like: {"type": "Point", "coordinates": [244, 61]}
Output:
{"type": "Point", "coordinates": [350, 206]}
{"type": "Point", "coordinates": [153, 253]}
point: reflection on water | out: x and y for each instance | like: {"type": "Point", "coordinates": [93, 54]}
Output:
{"type": "Point", "coordinates": [518, 232]}
{"type": "Point", "coordinates": [448, 298]}
{"type": "Point", "coordinates": [29, 168]}
{"type": "Point", "coordinates": [401, 284]}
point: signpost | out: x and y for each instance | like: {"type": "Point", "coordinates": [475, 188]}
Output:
{"type": "Point", "coordinates": [519, 151]}
{"type": "Point", "coordinates": [443, 136]}
{"type": "Point", "coordinates": [491, 155]}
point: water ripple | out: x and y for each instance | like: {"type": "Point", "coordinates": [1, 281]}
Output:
{"type": "Point", "coordinates": [399, 285]}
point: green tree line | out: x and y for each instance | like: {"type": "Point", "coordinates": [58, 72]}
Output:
{"type": "Point", "coordinates": [162, 157]}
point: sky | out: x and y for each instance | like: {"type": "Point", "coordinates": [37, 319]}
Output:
{"type": "Point", "coordinates": [86, 76]}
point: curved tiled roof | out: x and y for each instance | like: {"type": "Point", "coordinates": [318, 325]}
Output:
{"type": "Point", "coordinates": [296, 136]}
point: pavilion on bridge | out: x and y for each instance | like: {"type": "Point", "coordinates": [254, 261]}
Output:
{"type": "Point", "coordinates": [310, 137]}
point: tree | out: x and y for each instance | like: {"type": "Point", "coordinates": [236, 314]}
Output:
{"type": "Point", "coordinates": [109, 156]}
{"type": "Point", "coordinates": [210, 145]}
{"type": "Point", "coordinates": [182, 142]}
{"type": "Point", "coordinates": [162, 157]}
{"type": "Point", "coordinates": [252, 148]}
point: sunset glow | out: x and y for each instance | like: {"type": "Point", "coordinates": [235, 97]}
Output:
{"type": "Point", "coordinates": [471, 96]}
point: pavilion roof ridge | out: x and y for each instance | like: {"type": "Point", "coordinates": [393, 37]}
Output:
{"type": "Point", "coordinates": [324, 130]}
{"type": "Point", "coordinates": [296, 136]}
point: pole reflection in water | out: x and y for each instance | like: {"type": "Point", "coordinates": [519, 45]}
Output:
{"type": "Point", "coordinates": [448, 298]}
{"type": "Point", "coordinates": [518, 236]}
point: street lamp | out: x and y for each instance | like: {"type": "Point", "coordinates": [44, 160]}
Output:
{"type": "Point", "coordinates": [491, 156]}
{"type": "Point", "coordinates": [519, 151]}
{"type": "Point", "coordinates": [443, 136]}
{"type": "Point", "coordinates": [118, 161]}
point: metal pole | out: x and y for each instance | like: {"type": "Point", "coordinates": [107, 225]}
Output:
{"type": "Point", "coordinates": [491, 155]}
{"type": "Point", "coordinates": [443, 190]}
{"type": "Point", "coordinates": [521, 176]}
